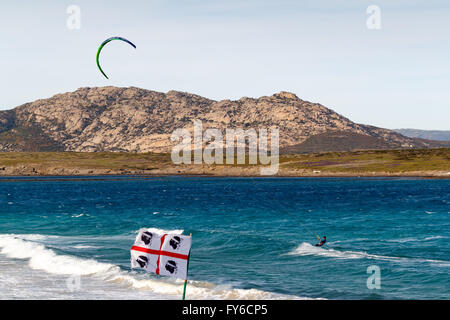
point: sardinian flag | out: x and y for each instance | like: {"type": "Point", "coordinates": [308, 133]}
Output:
{"type": "Point", "coordinates": [163, 254]}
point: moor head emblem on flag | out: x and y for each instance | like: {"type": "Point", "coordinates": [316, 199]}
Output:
{"type": "Point", "coordinates": [146, 237]}
{"type": "Point", "coordinates": [175, 242]}
{"type": "Point", "coordinates": [163, 254]}
{"type": "Point", "coordinates": [142, 260]}
{"type": "Point", "coordinates": [171, 266]}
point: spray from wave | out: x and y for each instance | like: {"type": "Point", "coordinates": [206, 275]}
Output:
{"type": "Point", "coordinates": [41, 258]}
{"type": "Point", "coordinates": [306, 249]}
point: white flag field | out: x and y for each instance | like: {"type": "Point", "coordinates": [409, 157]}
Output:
{"type": "Point", "coordinates": [163, 254]}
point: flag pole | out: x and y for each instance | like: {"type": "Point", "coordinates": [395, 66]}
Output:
{"type": "Point", "coordinates": [187, 269]}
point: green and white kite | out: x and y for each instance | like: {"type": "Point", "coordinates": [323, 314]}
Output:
{"type": "Point", "coordinates": [103, 44]}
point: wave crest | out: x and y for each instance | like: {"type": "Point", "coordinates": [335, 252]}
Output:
{"type": "Point", "coordinates": [306, 249]}
{"type": "Point", "coordinates": [42, 258]}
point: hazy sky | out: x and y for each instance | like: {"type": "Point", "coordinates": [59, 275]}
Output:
{"type": "Point", "coordinates": [394, 77]}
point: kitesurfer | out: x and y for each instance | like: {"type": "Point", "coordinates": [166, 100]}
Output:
{"type": "Point", "coordinates": [321, 241]}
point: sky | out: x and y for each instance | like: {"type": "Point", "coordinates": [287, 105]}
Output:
{"type": "Point", "coordinates": [396, 76]}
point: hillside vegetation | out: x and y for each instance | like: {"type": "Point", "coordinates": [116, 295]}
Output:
{"type": "Point", "coordinates": [424, 162]}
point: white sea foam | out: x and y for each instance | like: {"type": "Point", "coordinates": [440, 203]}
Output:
{"type": "Point", "coordinates": [81, 246]}
{"type": "Point", "coordinates": [403, 240]}
{"type": "Point", "coordinates": [434, 237]}
{"type": "Point", "coordinates": [41, 258]}
{"type": "Point", "coordinates": [161, 231]}
{"type": "Point", "coordinates": [78, 215]}
{"type": "Point", "coordinates": [306, 249]}
{"type": "Point", "coordinates": [197, 290]}
{"type": "Point", "coordinates": [34, 237]}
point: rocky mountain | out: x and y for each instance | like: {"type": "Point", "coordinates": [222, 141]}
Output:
{"type": "Point", "coordinates": [138, 120]}
{"type": "Point", "coordinates": [439, 135]}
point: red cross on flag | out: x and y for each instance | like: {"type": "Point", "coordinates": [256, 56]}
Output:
{"type": "Point", "coordinates": [163, 254]}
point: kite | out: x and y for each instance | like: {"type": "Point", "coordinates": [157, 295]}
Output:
{"type": "Point", "coordinates": [103, 44]}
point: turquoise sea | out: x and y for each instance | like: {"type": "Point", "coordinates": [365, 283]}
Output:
{"type": "Point", "coordinates": [70, 238]}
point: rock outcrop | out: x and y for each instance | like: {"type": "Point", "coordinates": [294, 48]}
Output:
{"type": "Point", "coordinates": [138, 120]}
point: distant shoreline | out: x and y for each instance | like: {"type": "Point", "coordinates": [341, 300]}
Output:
{"type": "Point", "coordinates": [134, 176]}
{"type": "Point", "coordinates": [420, 163]}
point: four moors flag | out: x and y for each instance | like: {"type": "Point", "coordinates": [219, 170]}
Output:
{"type": "Point", "coordinates": [163, 254]}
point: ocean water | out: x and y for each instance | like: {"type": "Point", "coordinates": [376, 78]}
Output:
{"type": "Point", "coordinates": [69, 238]}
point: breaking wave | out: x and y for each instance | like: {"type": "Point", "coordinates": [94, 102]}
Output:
{"type": "Point", "coordinates": [306, 249]}
{"type": "Point", "coordinates": [42, 258]}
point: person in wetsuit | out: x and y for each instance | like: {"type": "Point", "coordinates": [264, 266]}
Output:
{"type": "Point", "coordinates": [322, 242]}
